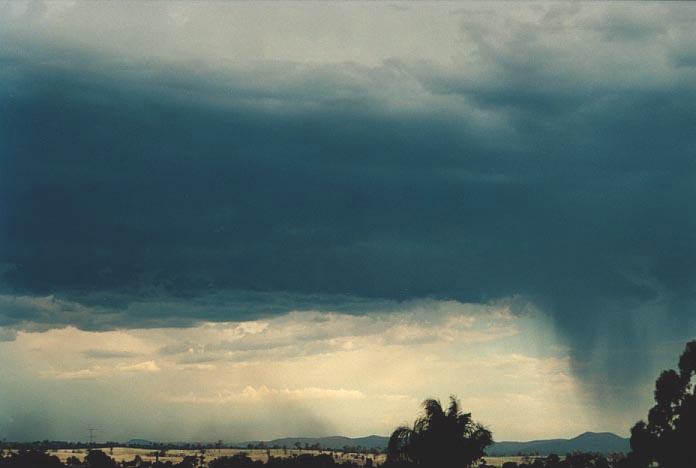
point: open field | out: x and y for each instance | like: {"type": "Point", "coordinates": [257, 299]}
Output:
{"type": "Point", "coordinates": [176, 455]}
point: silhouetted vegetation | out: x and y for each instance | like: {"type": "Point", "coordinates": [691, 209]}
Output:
{"type": "Point", "coordinates": [572, 460]}
{"type": "Point", "coordinates": [439, 439]}
{"type": "Point", "coordinates": [669, 436]}
{"type": "Point", "coordinates": [98, 459]}
{"type": "Point", "coordinates": [30, 459]}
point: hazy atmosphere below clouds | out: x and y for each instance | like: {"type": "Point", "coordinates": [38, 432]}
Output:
{"type": "Point", "coordinates": [244, 221]}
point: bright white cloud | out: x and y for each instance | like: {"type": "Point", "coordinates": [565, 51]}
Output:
{"type": "Point", "coordinates": [263, 393]}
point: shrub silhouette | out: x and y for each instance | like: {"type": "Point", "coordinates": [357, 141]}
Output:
{"type": "Point", "coordinates": [98, 459]}
{"type": "Point", "coordinates": [439, 439]}
{"type": "Point", "coordinates": [30, 458]}
{"type": "Point", "coordinates": [669, 435]}
{"type": "Point", "coordinates": [239, 460]}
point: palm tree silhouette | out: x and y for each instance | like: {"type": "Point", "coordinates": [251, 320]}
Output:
{"type": "Point", "coordinates": [439, 439]}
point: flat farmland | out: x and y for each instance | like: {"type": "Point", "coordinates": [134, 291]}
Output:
{"type": "Point", "coordinates": [176, 455]}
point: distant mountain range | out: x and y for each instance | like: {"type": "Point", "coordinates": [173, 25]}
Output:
{"type": "Point", "coordinates": [598, 442]}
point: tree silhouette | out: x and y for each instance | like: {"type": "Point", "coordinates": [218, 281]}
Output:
{"type": "Point", "coordinates": [30, 459]}
{"type": "Point", "coordinates": [98, 459]}
{"type": "Point", "coordinates": [238, 460]}
{"type": "Point", "coordinates": [669, 436]}
{"type": "Point", "coordinates": [439, 439]}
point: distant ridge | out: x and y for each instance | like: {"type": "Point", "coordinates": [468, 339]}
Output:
{"type": "Point", "coordinates": [597, 442]}
{"type": "Point", "coordinates": [140, 443]}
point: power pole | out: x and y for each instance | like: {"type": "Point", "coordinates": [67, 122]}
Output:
{"type": "Point", "coordinates": [91, 437]}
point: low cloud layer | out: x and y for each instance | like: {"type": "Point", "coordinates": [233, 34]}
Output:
{"type": "Point", "coordinates": [306, 373]}
{"type": "Point", "coordinates": [542, 153]}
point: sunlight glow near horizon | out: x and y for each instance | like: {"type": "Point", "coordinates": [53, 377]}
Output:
{"type": "Point", "coordinates": [304, 373]}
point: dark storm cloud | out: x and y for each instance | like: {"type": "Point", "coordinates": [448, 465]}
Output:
{"type": "Point", "coordinates": [156, 197]}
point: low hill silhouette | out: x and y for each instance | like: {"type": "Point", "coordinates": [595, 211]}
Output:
{"type": "Point", "coordinates": [595, 442]}
{"type": "Point", "coordinates": [140, 443]}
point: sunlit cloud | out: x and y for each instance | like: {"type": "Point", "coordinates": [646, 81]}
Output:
{"type": "Point", "coordinates": [352, 370]}
{"type": "Point", "coordinates": [263, 393]}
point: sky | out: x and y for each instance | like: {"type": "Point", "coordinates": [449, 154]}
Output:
{"type": "Point", "coordinates": [244, 221]}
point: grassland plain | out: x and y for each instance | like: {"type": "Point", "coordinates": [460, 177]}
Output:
{"type": "Point", "coordinates": [176, 455]}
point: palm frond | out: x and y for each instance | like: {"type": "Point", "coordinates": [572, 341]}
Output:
{"type": "Point", "coordinates": [421, 425]}
{"type": "Point", "coordinates": [439, 438]}
{"type": "Point", "coordinates": [453, 410]}
{"type": "Point", "coordinates": [433, 409]}
{"type": "Point", "coordinates": [398, 442]}
{"type": "Point", "coordinates": [465, 423]}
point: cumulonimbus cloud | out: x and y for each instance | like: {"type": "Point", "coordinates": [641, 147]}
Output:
{"type": "Point", "coordinates": [551, 160]}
